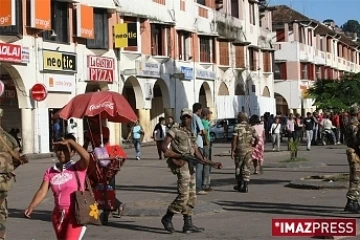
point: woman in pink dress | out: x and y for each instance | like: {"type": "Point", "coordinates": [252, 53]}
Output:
{"type": "Point", "coordinates": [258, 152]}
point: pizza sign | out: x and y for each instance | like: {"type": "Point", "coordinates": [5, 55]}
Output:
{"type": "Point", "coordinates": [101, 69]}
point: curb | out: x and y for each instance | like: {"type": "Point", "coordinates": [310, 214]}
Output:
{"type": "Point", "coordinates": [154, 208]}
{"type": "Point", "coordinates": [317, 185]}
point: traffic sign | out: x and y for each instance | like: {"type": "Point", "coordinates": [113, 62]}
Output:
{"type": "Point", "coordinates": [38, 92]}
{"type": "Point", "coordinates": [2, 88]}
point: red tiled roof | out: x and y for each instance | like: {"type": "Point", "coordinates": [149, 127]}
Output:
{"type": "Point", "coordinates": [283, 13]}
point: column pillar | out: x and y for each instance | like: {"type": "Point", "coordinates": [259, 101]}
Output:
{"type": "Point", "coordinates": [214, 113]}
{"type": "Point", "coordinates": [27, 133]}
{"type": "Point", "coordinates": [169, 112]}
{"type": "Point", "coordinates": [145, 123]}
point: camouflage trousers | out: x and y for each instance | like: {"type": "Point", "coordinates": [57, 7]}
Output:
{"type": "Point", "coordinates": [242, 167]}
{"type": "Point", "coordinates": [3, 217]}
{"type": "Point", "coordinates": [354, 184]}
{"type": "Point", "coordinates": [184, 203]}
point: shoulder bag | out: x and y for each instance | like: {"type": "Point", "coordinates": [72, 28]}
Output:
{"type": "Point", "coordinates": [86, 208]}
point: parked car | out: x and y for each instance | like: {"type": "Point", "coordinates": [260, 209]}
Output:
{"type": "Point", "coordinates": [217, 129]}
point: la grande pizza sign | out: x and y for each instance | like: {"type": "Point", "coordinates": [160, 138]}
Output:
{"type": "Point", "coordinates": [101, 69]}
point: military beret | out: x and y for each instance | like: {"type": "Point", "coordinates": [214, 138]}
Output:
{"type": "Point", "coordinates": [186, 112]}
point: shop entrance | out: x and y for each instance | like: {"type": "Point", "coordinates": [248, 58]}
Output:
{"type": "Point", "coordinates": [53, 125]}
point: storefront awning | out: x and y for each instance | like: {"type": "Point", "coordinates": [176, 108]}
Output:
{"type": "Point", "coordinates": [108, 4]}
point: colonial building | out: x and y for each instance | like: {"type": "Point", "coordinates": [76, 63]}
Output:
{"type": "Point", "coordinates": [61, 44]}
{"type": "Point", "coordinates": [217, 53]}
{"type": "Point", "coordinates": [307, 50]}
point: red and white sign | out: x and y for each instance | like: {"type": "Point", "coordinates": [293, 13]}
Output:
{"type": "Point", "coordinates": [313, 227]}
{"type": "Point", "coordinates": [39, 92]}
{"type": "Point", "coordinates": [101, 69]}
{"type": "Point", "coordinates": [2, 88]}
{"type": "Point", "coordinates": [13, 53]}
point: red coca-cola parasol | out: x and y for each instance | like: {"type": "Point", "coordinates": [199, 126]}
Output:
{"type": "Point", "coordinates": [105, 104]}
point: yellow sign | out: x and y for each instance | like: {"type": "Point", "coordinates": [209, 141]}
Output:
{"type": "Point", "coordinates": [59, 61]}
{"type": "Point", "coordinates": [125, 35]}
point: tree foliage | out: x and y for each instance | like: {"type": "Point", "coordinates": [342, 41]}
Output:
{"type": "Point", "coordinates": [352, 26]}
{"type": "Point", "coordinates": [336, 94]}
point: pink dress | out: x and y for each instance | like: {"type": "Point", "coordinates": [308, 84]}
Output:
{"type": "Point", "coordinates": [258, 153]}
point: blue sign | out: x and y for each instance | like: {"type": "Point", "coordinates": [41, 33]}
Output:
{"type": "Point", "coordinates": [188, 73]}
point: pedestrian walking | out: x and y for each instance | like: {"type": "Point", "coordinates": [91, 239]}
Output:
{"type": "Point", "coordinates": [159, 134]}
{"type": "Point", "coordinates": [205, 119]}
{"type": "Point", "coordinates": [258, 152]}
{"type": "Point", "coordinates": [244, 138]}
{"type": "Point", "coordinates": [353, 142]}
{"type": "Point", "coordinates": [198, 130]}
{"type": "Point", "coordinates": [72, 128]}
{"type": "Point", "coordinates": [135, 136]}
{"type": "Point", "coordinates": [9, 160]}
{"type": "Point", "coordinates": [275, 133]}
{"type": "Point", "coordinates": [63, 179]}
{"type": "Point", "coordinates": [182, 142]}
{"type": "Point", "coordinates": [309, 128]}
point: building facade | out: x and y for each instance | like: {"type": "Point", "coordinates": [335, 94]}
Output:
{"type": "Point", "coordinates": [218, 53]}
{"type": "Point", "coordinates": [307, 50]}
{"type": "Point", "coordinates": [197, 51]}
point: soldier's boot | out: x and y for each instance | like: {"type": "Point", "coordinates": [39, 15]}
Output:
{"type": "Point", "coordinates": [238, 187]}
{"type": "Point", "coordinates": [244, 188]}
{"type": "Point", "coordinates": [166, 221]}
{"type": "Point", "coordinates": [352, 206]}
{"type": "Point", "coordinates": [189, 227]}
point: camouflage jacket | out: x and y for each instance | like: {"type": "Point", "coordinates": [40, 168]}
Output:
{"type": "Point", "coordinates": [246, 135]}
{"type": "Point", "coordinates": [6, 160]}
{"type": "Point", "coordinates": [352, 133]}
{"type": "Point", "coordinates": [183, 140]}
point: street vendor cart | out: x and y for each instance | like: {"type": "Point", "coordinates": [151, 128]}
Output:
{"type": "Point", "coordinates": [106, 160]}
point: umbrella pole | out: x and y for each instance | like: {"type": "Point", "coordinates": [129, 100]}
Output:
{"type": "Point", "coordinates": [101, 132]}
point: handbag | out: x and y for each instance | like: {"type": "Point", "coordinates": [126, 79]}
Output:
{"type": "Point", "coordinates": [86, 208]}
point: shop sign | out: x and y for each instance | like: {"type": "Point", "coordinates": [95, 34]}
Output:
{"type": "Point", "coordinates": [85, 21]}
{"type": "Point", "coordinates": [7, 13]}
{"type": "Point", "coordinates": [188, 73]}
{"type": "Point", "coordinates": [205, 74]}
{"type": "Point", "coordinates": [101, 69]}
{"type": "Point", "coordinates": [125, 35]}
{"type": "Point", "coordinates": [14, 53]}
{"type": "Point", "coordinates": [60, 83]}
{"type": "Point", "coordinates": [148, 69]}
{"type": "Point", "coordinates": [59, 61]}
{"type": "Point", "coordinates": [40, 14]}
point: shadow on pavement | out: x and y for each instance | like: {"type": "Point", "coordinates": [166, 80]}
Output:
{"type": "Point", "coordinates": [284, 208]}
{"type": "Point", "coordinates": [143, 188]}
{"type": "Point", "coordinates": [135, 227]}
{"type": "Point", "coordinates": [36, 215]}
{"type": "Point", "coordinates": [231, 181]}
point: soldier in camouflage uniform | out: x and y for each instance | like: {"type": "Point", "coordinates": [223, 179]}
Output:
{"type": "Point", "coordinates": [183, 142]}
{"type": "Point", "coordinates": [7, 166]}
{"type": "Point", "coordinates": [352, 139]}
{"type": "Point", "coordinates": [244, 137]}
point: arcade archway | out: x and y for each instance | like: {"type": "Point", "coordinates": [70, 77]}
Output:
{"type": "Point", "coordinates": [223, 90]}
{"type": "Point", "coordinates": [160, 101]}
{"type": "Point", "coordinates": [281, 104]}
{"type": "Point", "coordinates": [266, 92]}
{"type": "Point", "coordinates": [133, 94]}
{"type": "Point", "coordinates": [205, 97]}
{"type": "Point", "coordinates": [239, 90]}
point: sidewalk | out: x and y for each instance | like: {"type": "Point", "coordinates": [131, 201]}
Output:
{"type": "Point", "coordinates": [147, 186]}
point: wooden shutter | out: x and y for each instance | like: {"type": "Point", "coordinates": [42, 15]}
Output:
{"type": "Point", "coordinates": [283, 71]}
{"type": "Point", "coordinates": [239, 56]}
{"type": "Point", "coordinates": [266, 62]}
{"type": "Point", "coordinates": [154, 45]}
{"type": "Point", "coordinates": [224, 53]}
{"type": "Point", "coordinates": [180, 46]}
{"type": "Point", "coordinates": [280, 35]}
{"type": "Point", "coordinates": [310, 71]}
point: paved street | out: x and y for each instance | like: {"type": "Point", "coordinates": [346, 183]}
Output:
{"type": "Point", "coordinates": [244, 216]}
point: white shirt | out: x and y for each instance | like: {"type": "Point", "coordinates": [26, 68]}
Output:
{"type": "Point", "coordinates": [157, 133]}
{"type": "Point", "coordinates": [71, 128]}
{"type": "Point", "coordinates": [275, 128]}
{"type": "Point", "coordinates": [326, 124]}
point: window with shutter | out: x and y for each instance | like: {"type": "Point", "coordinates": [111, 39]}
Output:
{"type": "Point", "coordinates": [101, 30]}
{"type": "Point", "coordinates": [280, 71]}
{"type": "Point", "coordinates": [266, 62]}
{"type": "Point", "coordinates": [130, 20]}
{"type": "Point", "coordinates": [253, 59]}
{"type": "Point", "coordinates": [59, 23]}
{"type": "Point", "coordinates": [158, 39]}
{"type": "Point", "coordinates": [304, 71]}
{"type": "Point", "coordinates": [235, 8]}
{"type": "Point", "coordinates": [224, 52]}
{"type": "Point", "coordinates": [183, 45]}
{"type": "Point", "coordinates": [280, 35]}
{"type": "Point", "coordinates": [240, 56]}
{"type": "Point", "coordinates": [205, 49]}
